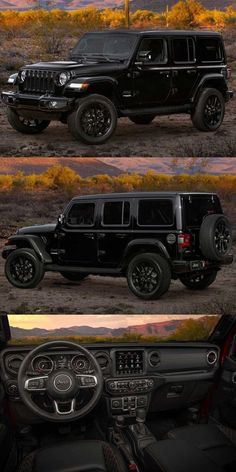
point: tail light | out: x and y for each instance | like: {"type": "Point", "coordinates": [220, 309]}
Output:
{"type": "Point", "coordinates": [184, 240]}
{"type": "Point", "coordinates": [227, 73]}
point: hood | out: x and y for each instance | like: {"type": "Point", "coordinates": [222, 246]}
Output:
{"type": "Point", "coordinates": [80, 69]}
{"type": "Point", "coordinates": [38, 229]}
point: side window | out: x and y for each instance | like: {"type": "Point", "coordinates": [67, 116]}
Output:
{"type": "Point", "coordinates": [155, 213]}
{"type": "Point", "coordinates": [116, 213]}
{"type": "Point", "coordinates": [81, 214]}
{"type": "Point", "coordinates": [209, 50]}
{"type": "Point", "coordinates": [183, 50]}
{"type": "Point", "coordinates": [153, 51]}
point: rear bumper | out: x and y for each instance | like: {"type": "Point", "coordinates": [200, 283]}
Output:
{"type": "Point", "coordinates": [45, 103]}
{"type": "Point", "coordinates": [181, 267]}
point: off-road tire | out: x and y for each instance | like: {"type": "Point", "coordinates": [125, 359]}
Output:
{"type": "Point", "coordinates": [200, 118]}
{"type": "Point", "coordinates": [215, 237]}
{"type": "Point", "coordinates": [77, 119]}
{"type": "Point", "coordinates": [142, 119]}
{"type": "Point", "coordinates": [198, 281]}
{"type": "Point", "coordinates": [149, 262]}
{"type": "Point", "coordinates": [74, 276]}
{"type": "Point", "coordinates": [20, 124]}
{"type": "Point", "coordinates": [25, 258]}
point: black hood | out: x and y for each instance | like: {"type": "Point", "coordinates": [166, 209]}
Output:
{"type": "Point", "coordinates": [80, 69]}
{"type": "Point", "coordinates": [38, 229]}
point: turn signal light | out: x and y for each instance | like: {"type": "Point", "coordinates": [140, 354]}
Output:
{"type": "Point", "coordinates": [184, 240]}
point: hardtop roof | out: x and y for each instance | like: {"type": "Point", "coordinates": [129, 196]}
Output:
{"type": "Point", "coordinates": [160, 31]}
{"type": "Point", "coordinates": [124, 195]}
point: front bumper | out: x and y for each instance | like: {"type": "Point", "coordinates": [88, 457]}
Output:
{"type": "Point", "coordinates": [181, 267]}
{"type": "Point", "coordinates": [45, 103]}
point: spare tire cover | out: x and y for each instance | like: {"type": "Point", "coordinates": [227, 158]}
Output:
{"type": "Point", "coordinates": [215, 237]}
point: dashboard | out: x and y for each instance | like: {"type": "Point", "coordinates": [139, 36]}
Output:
{"type": "Point", "coordinates": [156, 377]}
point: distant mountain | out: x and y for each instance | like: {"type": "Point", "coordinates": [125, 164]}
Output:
{"type": "Point", "coordinates": [154, 5]}
{"type": "Point", "coordinates": [163, 329]}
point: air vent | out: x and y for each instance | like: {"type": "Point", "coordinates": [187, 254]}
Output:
{"type": "Point", "coordinates": [13, 363]}
{"type": "Point", "coordinates": [103, 360]}
{"type": "Point", "coordinates": [212, 357]}
{"type": "Point", "coordinates": [154, 358]}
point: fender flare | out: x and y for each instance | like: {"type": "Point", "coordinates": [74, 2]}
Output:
{"type": "Point", "coordinates": [205, 79]}
{"type": "Point", "coordinates": [35, 243]}
{"type": "Point", "coordinates": [100, 79]}
{"type": "Point", "coordinates": [136, 243]}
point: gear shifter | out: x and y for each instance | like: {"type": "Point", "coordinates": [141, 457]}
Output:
{"type": "Point", "coordinates": [140, 419]}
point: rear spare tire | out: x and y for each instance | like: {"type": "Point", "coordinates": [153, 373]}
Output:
{"type": "Point", "coordinates": [215, 237]}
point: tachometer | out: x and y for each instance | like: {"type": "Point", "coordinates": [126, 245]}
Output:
{"type": "Point", "coordinates": [42, 364]}
{"type": "Point", "coordinates": [80, 363]}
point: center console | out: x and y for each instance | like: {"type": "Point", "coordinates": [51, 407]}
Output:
{"type": "Point", "coordinates": [129, 388]}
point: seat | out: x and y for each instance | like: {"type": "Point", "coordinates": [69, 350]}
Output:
{"type": "Point", "coordinates": [75, 456]}
{"type": "Point", "coordinates": [177, 456]}
{"type": "Point", "coordinates": [211, 440]}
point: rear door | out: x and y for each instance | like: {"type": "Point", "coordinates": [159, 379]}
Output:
{"type": "Point", "coordinates": [184, 69]}
{"type": "Point", "coordinates": [115, 231]}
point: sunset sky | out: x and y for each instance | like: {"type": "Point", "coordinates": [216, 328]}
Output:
{"type": "Point", "coordinates": [110, 321]}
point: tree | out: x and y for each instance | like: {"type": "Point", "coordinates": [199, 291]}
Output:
{"type": "Point", "coordinates": [184, 13]}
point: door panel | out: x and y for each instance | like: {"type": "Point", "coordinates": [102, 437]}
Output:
{"type": "Point", "coordinates": [184, 71]}
{"type": "Point", "coordinates": [151, 74]}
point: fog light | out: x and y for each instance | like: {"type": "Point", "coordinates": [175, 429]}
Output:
{"type": "Point", "coordinates": [53, 104]}
{"type": "Point", "coordinates": [56, 104]}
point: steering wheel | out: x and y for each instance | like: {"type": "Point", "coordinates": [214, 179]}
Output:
{"type": "Point", "coordinates": [62, 386]}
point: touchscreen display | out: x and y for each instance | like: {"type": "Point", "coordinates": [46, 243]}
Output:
{"type": "Point", "coordinates": [129, 362]}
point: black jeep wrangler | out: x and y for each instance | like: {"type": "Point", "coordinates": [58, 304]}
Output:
{"type": "Point", "coordinates": [150, 238]}
{"type": "Point", "coordinates": [139, 74]}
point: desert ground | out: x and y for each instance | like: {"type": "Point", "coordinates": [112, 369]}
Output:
{"type": "Point", "coordinates": [167, 136]}
{"type": "Point", "coordinates": [111, 295]}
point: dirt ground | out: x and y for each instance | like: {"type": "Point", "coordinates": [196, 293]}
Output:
{"type": "Point", "coordinates": [111, 295]}
{"type": "Point", "coordinates": [172, 136]}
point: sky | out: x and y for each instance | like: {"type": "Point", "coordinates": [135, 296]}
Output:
{"type": "Point", "coordinates": [109, 321]}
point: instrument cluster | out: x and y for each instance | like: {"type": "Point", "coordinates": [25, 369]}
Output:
{"type": "Point", "coordinates": [45, 364]}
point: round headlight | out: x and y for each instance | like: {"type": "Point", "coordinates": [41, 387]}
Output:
{"type": "Point", "coordinates": [23, 75]}
{"type": "Point", "coordinates": [63, 78]}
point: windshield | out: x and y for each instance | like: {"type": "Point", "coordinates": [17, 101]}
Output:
{"type": "Point", "coordinates": [36, 329]}
{"type": "Point", "coordinates": [107, 46]}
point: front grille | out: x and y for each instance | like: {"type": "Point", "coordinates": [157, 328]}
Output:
{"type": "Point", "coordinates": [39, 81]}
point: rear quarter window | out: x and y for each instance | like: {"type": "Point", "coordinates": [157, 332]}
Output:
{"type": "Point", "coordinates": [195, 208]}
{"type": "Point", "coordinates": [210, 50]}
{"type": "Point", "coordinates": [158, 212]}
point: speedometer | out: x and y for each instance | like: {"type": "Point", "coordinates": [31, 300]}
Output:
{"type": "Point", "coordinates": [42, 364]}
{"type": "Point", "coordinates": [80, 363]}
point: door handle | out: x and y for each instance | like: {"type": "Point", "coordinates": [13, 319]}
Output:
{"type": "Point", "coordinates": [166, 73]}
{"type": "Point", "coordinates": [191, 71]}
{"type": "Point", "coordinates": [120, 235]}
{"type": "Point", "coordinates": [89, 235]}
{"type": "Point", "coordinates": [101, 235]}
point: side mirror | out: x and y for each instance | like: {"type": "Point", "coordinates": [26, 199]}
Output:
{"type": "Point", "coordinates": [61, 219]}
{"type": "Point", "coordinates": [144, 56]}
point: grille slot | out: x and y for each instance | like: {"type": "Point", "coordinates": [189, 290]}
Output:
{"type": "Point", "coordinates": [39, 81]}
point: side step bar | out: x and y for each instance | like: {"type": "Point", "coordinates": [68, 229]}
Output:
{"type": "Point", "coordinates": [169, 110]}
{"type": "Point", "coordinates": [83, 270]}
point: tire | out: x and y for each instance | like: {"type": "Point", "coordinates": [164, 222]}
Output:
{"type": "Point", "coordinates": [147, 262]}
{"type": "Point", "coordinates": [198, 281]}
{"type": "Point", "coordinates": [25, 125]}
{"type": "Point", "coordinates": [82, 125]}
{"type": "Point", "coordinates": [142, 119]}
{"type": "Point", "coordinates": [210, 110]}
{"type": "Point", "coordinates": [24, 260]}
{"type": "Point", "coordinates": [73, 276]}
{"type": "Point", "coordinates": [215, 237]}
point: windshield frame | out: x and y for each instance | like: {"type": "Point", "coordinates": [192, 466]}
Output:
{"type": "Point", "coordinates": [114, 58]}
